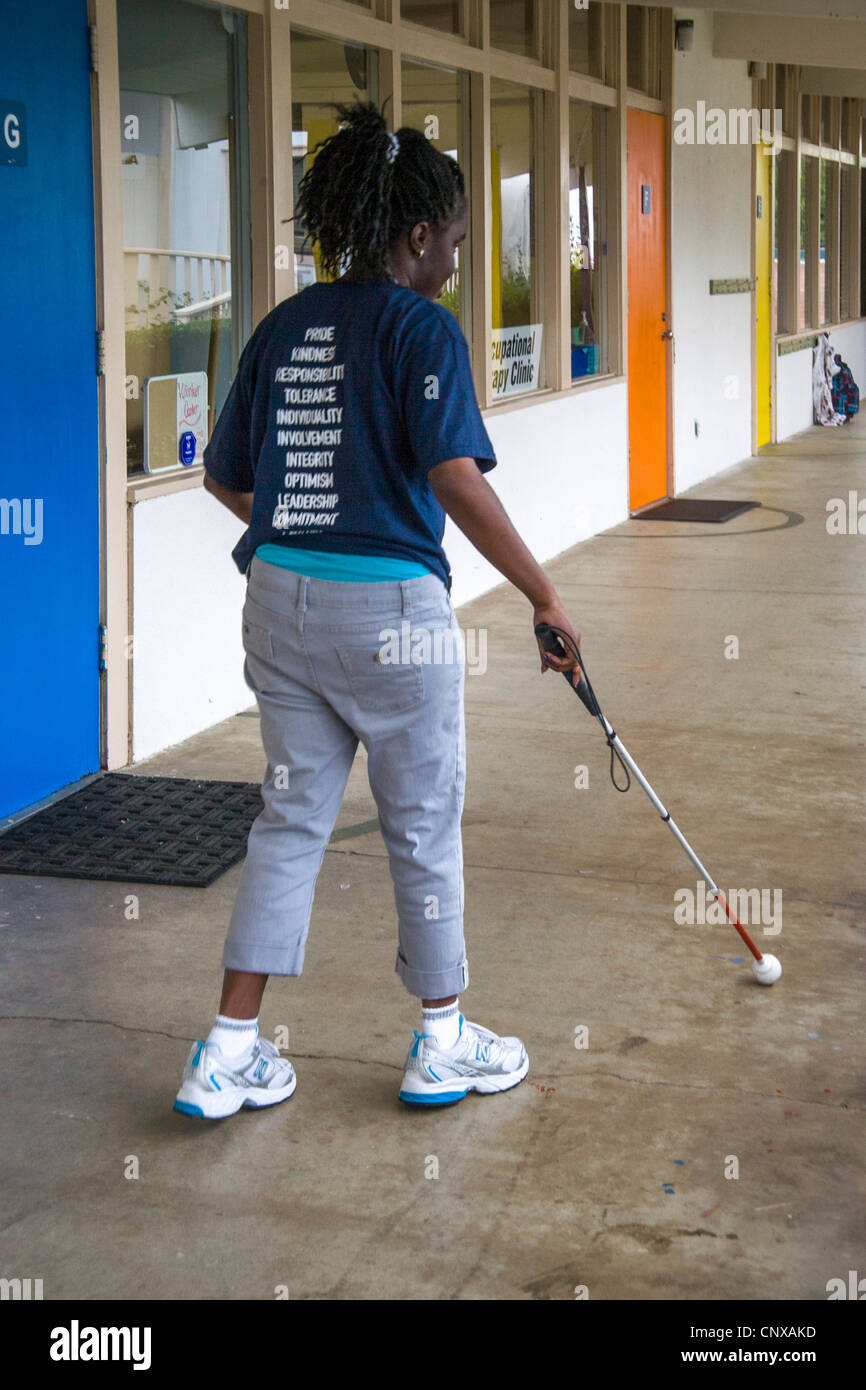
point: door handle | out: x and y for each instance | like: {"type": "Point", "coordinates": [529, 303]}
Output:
{"type": "Point", "coordinates": [668, 333]}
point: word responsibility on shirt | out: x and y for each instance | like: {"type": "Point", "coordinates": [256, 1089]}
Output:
{"type": "Point", "coordinates": [309, 426]}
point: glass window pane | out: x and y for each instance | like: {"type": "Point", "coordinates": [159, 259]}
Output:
{"type": "Point", "coordinates": [447, 15]}
{"type": "Point", "coordinates": [823, 277]}
{"type": "Point", "coordinates": [827, 121]}
{"type": "Point", "coordinates": [515, 25]}
{"type": "Point", "coordinates": [785, 201]}
{"type": "Point", "coordinates": [785, 89]}
{"type": "Point", "coordinates": [635, 45]}
{"type": "Point", "coordinates": [777, 184]}
{"type": "Point", "coordinates": [436, 100]}
{"type": "Point", "coordinates": [849, 123]}
{"type": "Point", "coordinates": [809, 258]}
{"type": "Point", "coordinates": [861, 182]}
{"type": "Point", "coordinates": [324, 71]}
{"type": "Point", "coordinates": [802, 293]}
{"type": "Point", "coordinates": [643, 49]}
{"type": "Point", "coordinates": [181, 70]}
{"type": "Point", "coordinates": [587, 239]}
{"type": "Point", "coordinates": [848, 184]}
{"type": "Point", "coordinates": [809, 118]}
{"type": "Point", "coordinates": [515, 270]}
{"type": "Point", "coordinates": [585, 51]}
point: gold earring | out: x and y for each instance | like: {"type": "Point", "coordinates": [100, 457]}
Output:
{"type": "Point", "coordinates": [419, 254]}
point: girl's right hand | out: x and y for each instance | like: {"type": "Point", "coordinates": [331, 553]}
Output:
{"type": "Point", "coordinates": [555, 615]}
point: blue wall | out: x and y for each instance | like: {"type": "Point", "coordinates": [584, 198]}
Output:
{"type": "Point", "coordinates": [49, 591]}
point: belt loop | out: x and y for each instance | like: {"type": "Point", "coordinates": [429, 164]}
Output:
{"type": "Point", "coordinates": [406, 596]}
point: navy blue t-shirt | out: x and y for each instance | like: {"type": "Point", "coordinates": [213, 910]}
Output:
{"type": "Point", "coordinates": [346, 395]}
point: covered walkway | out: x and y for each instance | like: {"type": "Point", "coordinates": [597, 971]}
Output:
{"type": "Point", "coordinates": [706, 1143]}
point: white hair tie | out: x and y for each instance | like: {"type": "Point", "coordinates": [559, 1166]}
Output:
{"type": "Point", "coordinates": [393, 147]}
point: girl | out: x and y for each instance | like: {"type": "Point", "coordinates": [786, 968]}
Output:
{"type": "Point", "coordinates": [351, 429]}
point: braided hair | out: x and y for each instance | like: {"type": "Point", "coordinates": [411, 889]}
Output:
{"type": "Point", "coordinates": [359, 195]}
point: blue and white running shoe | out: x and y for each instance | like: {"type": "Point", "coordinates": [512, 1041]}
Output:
{"type": "Point", "coordinates": [479, 1061]}
{"type": "Point", "coordinates": [214, 1086]}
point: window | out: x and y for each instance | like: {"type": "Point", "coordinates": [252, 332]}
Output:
{"type": "Point", "coordinates": [824, 285]}
{"type": "Point", "coordinates": [183, 108]}
{"type": "Point", "coordinates": [810, 108]}
{"type": "Point", "coordinates": [847, 225]}
{"type": "Point", "coordinates": [850, 109]}
{"type": "Point", "coordinates": [515, 269]}
{"type": "Point", "coordinates": [819, 208]}
{"type": "Point", "coordinates": [827, 122]}
{"type": "Point", "coordinates": [586, 52]}
{"type": "Point", "coordinates": [643, 50]}
{"type": "Point", "coordinates": [786, 99]}
{"type": "Point", "coordinates": [808, 296]}
{"type": "Point", "coordinates": [587, 130]}
{"type": "Point", "coordinates": [436, 100]}
{"type": "Point", "coordinates": [786, 266]}
{"type": "Point", "coordinates": [324, 71]}
{"type": "Point", "coordinates": [829, 242]}
{"type": "Point", "coordinates": [446, 15]}
{"type": "Point", "coordinates": [862, 183]}
{"type": "Point", "coordinates": [515, 26]}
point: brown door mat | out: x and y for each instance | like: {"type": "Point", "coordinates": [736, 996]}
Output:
{"type": "Point", "coordinates": [695, 509]}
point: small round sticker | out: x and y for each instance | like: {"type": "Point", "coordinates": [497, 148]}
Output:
{"type": "Point", "coordinates": [187, 448]}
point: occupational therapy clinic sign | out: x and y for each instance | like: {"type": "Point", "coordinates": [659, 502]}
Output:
{"type": "Point", "coordinates": [516, 354]}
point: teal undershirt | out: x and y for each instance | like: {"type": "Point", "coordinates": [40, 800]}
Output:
{"type": "Point", "coordinates": [346, 569]}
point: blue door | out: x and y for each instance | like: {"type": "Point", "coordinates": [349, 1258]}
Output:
{"type": "Point", "coordinates": [49, 457]}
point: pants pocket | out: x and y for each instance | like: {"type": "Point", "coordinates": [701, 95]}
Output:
{"type": "Point", "coordinates": [257, 641]}
{"type": "Point", "coordinates": [378, 683]}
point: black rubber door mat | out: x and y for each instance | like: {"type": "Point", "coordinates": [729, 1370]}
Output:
{"type": "Point", "coordinates": [133, 829]}
{"type": "Point", "coordinates": [695, 509]}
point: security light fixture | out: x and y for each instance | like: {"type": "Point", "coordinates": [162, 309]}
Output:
{"type": "Point", "coordinates": [684, 35]}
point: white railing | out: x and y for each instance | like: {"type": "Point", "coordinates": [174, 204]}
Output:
{"type": "Point", "coordinates": [452, 284]}
{"type": "Point", "coordinates": [163, 284]}
{"type": "Point", "coordinates": [204, 308]}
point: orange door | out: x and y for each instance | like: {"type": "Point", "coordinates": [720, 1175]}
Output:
{"type": "Point", "coordinates": [647, 297]}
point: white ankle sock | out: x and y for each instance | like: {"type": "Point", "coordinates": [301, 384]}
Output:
{"type": "Point", "coordinates": [443, 1023]}
{"type": "Point", "coordinates": [233, 1036]}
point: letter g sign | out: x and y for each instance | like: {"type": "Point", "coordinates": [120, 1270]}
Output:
{"type": "Point", "coordinates": [13, 133]}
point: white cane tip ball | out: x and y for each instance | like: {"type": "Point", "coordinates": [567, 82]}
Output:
{"type": "Point", "coordinates": [767, 970]}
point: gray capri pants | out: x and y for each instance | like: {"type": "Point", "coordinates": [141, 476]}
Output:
{"type": "Point", "coordinates": [332, 664]}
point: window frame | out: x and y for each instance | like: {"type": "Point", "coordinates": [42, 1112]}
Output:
{"type": "Point", "coordinates": [827, 135]}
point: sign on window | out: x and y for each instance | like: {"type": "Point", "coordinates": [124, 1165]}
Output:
{"type": "Point", "coordinates": [175, 421]}
{"type": "Point", "coordinates": [516, 358]}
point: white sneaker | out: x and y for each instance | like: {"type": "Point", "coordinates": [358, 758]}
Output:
{"type": "Point", "coordinates": [478, 1061]}
{"type": "Point", "coordinates": [214, 1086]}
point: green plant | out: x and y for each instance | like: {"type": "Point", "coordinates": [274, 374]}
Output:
{"type": "Point", "coordinates": [450, 299]}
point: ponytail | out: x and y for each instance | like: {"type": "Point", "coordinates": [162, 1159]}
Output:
{"type": "Point", "coordinates": [367, 187]}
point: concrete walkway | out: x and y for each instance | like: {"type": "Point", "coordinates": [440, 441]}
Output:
{"type": "Point", "coordinates": [706, 1143]}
